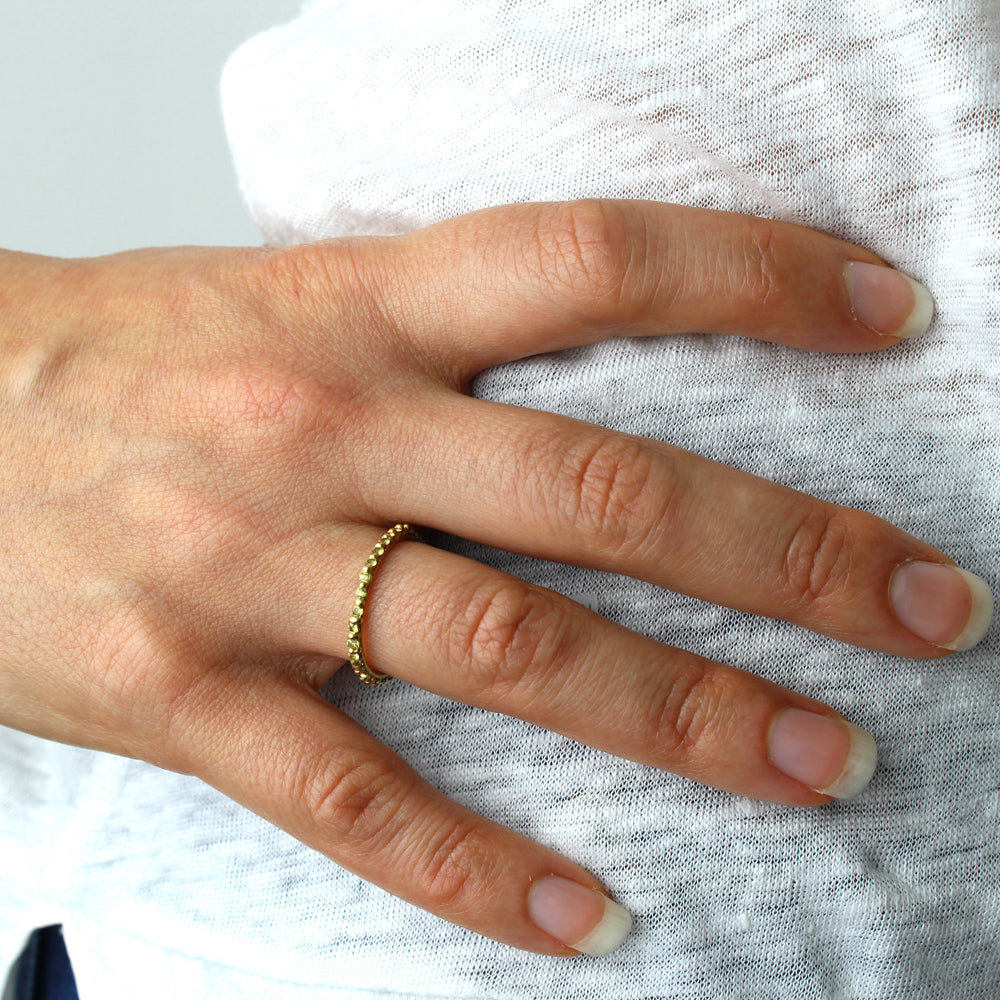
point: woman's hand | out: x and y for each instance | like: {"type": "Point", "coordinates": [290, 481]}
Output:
{"type": "Point", "coordinates": [201, 447]}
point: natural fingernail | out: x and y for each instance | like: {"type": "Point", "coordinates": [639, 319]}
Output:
{"type": "Point", "coordinates": [942, 604]}
{"type": "Point", "coordinates": [887, 301]}
{"type": "Point", "coordinates": [829, 755]}
{"type": "Point", "coordinates": [581, 918]}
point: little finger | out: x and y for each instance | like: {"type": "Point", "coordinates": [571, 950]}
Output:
{"type": "Point", "coordinates": [289, 756]}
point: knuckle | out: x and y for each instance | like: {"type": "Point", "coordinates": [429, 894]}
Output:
{"type": "Point", "coordinates": [761, 274]}
{"type": "Point", "coordinates": [272, 411]}
{"type": "Point", "coordinates": [817, 558]}
{"type": "Point", "coordinates": [681, 718]}
{"type": "Point", "coordinates": [615, 493]}
{"type": "Point", "coordinates": [310, 287]}
{"type": "Point", "coordinates": [507, 639]}
{"type": "Point", "coordinates": [585, 252]}
{"type": "Point", "coordinates": [268, 401]}
{"type": "Point", "coordinates": [452, 877]}
{"type": "Point", "coordinates": [303, 273]}
{"type": "Point", "coordinates": [150, 690]}
{"type": "Point", "coordinates": [351, 798]}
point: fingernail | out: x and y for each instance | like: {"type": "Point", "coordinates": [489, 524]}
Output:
{"type": "Point", "coordinates": [831, 756]}
{"type": "Point", "coordinates": [581, 918]}
{"type": "Point", "coordinates": [887, 301]}
{"type": "Point", "coordinates": [942, 604]}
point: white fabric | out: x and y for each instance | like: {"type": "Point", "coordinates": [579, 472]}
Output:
{"type": "Point", "coordinates": [879, 122]}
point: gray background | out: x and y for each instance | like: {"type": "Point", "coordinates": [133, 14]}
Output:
{"type": "Point", "coordinates": [110, 131]}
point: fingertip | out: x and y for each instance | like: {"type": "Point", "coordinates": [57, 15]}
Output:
{"type": "Point", "coordinates": [941, 603]}
{"type": "Point", "coordinates": [582, 918]}
{"type": "Point", "coordinates": [609, 933]}
{"type": "Point", "coordinates": [827, 754]}
{"type": "Point", "coordinates": [981, 616]}
{"type": "Point", "coordinates": [886, 301]}
{"type": "Point", "coordinates": [919, 320]}
{"type": "Point", "coordinates": [859, 765]}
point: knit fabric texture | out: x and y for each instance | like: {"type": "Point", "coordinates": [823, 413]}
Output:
{"type": "Point", "coordinates": [876, 122]}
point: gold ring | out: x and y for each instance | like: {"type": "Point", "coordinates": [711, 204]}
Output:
{"type": "Point", "coordinates": [354, 651]}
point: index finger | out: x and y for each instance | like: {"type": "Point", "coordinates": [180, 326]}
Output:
{"type": "Point", "coordinates": [509, 282]}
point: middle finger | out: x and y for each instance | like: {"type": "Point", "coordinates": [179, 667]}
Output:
{"type": "Point", "coordinates": [560, 489]}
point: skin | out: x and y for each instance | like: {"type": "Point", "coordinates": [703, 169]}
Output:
{"type": "Point", "coordinates": [202, 445]}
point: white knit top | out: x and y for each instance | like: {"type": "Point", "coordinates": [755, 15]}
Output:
{"type": "Point", "coordinates": [877, 122]}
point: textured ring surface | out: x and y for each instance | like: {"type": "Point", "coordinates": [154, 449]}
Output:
{"type": "Point", "coordinates": [355, 653]}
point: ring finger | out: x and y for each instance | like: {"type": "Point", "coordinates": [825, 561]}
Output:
{"type": "Point", "coordinates": [473, 634]}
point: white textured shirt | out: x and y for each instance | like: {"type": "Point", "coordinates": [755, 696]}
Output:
{"type": "Point", "coordinates": [878, 122]}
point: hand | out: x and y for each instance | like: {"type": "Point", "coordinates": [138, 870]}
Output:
{"type": "Point", "coordinates": [202, 446]}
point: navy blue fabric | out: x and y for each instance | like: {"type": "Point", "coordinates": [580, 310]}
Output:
{"type": "Point", "coordinates": [43, 970]}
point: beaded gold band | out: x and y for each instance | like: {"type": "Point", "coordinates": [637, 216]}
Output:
{"type": "Point", "coordinates": [354, 651]}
